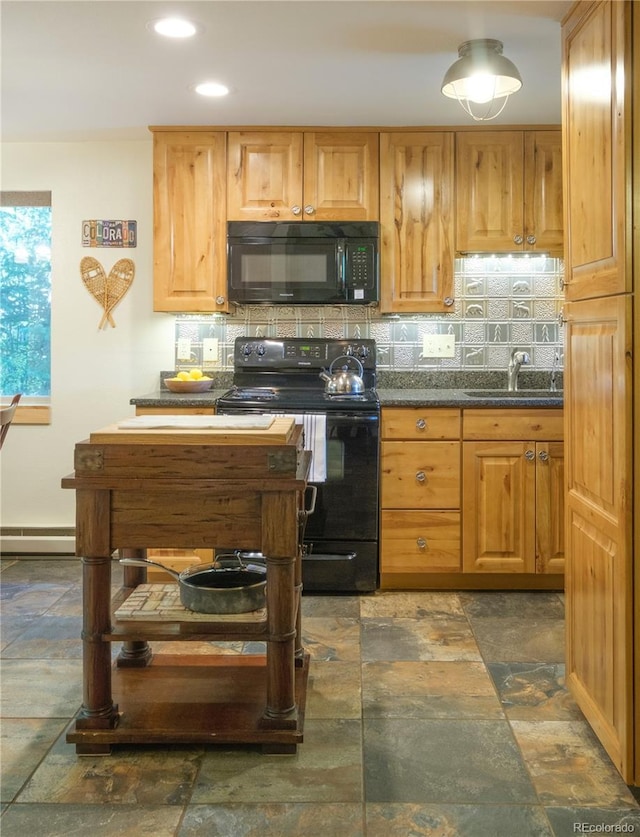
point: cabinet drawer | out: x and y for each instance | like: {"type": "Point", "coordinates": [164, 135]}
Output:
{"type": "Point", "coordinates": [420, 475]}
{"type": "Point", "coordinates": [537, 425]}
{"type": "Point", "coordinates": [420, 423]}
{"type": "Point", "coordinates": [413, 542]}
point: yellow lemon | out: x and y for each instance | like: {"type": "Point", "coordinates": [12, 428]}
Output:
{"type": "Point", "coordinates": [183, 376]}
{"type": "Point", "coordinates": [195, 374]}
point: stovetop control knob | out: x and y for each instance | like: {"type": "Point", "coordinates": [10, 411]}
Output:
{"type": "Point", "coordinates": [247, 349]}
{"type": "Point", "coordinates": [260, 350]}
{"type": "Point", "coordinates": [358, 351]}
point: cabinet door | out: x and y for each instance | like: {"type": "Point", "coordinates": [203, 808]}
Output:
{"type": "Point", "coordinates": [543, 218]}
{"type": "Point", "coordinates": [416, 215]}
{"type": "Point", "coordinates": [264, 178]}
{"type": "Point", "coordinates": [489, 191]}
{"type": "Point", "coordinates": [498, 494]}
{"type": "Point", "coordinates": [420, 475]}
{"type": "Point", "coordinates": [594, 79]}
{"type": "Point", "coordinates": [189, 223]}
{"type": "Point", "coordinates": [341, 176]}
{"type": "Point", "coordinates": [599, 572]}
{"type": "Point", "coordinates": [550, 507]}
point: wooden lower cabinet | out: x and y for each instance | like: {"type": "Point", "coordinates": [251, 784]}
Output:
{"type": "Point", "coordinates": [420, 495]}
{"type": "Point", "coordinates": [513, 501]}
{"type": "Point", "coordinates": [471, 499]}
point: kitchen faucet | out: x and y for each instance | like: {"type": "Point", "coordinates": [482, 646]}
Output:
{"type": "Point", "coordinates": [518, 358]}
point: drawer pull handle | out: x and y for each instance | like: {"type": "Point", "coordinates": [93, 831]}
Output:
{"type": "Point", "coordinates": [421, 424]}
{"type": "Point", "coordinates": [421, 543]}
{"type": "Point", "coordinates": [543, 456]}
{"type": "Point", "coordinates": [421, 476]}
{"type": "Point", "coordinates": [530, 455]}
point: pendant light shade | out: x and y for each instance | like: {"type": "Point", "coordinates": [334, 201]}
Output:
{"type": "Point", "coordinates": [482, 79]}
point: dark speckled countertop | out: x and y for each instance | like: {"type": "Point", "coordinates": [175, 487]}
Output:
{"type": "Point", "coordinates": [405, 389]}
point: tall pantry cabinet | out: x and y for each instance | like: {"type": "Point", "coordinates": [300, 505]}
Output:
{"type": "Point", "coordinates": [601, 403]}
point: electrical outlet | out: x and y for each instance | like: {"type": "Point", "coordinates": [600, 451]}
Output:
{"type": "Point", "coordinates": [438, 345]}
{"type": "Point", "coordinates": [184, 348]}
{"type": "Point", "coordinates": [210, 350]}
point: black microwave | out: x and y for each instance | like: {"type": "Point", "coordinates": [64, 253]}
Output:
{"type": "Point", "coordinates": [303, 262]}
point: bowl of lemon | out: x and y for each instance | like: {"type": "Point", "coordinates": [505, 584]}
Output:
{"type": "Point", "coordinates": [192, 381]}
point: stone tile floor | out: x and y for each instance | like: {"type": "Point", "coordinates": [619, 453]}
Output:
{"type": "Point", "coordinates": [428, 713]}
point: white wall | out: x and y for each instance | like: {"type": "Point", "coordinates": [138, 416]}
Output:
{"type": "Point", "coordinates": [94, 373]}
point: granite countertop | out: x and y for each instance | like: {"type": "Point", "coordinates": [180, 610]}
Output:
{"type": "Point", "coordinates": [400, 389]}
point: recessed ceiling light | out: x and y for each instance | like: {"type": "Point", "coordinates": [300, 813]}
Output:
{"type": "Point", "coordinates": [211, 88]}
{"type": "Point", "coordinates": [174, 27]}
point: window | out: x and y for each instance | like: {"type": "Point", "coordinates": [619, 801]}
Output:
{"type": "Point", "coordinates": [25, 301]}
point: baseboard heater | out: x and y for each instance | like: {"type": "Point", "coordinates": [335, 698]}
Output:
{"type": "Point", "coordinates": [36, 542]}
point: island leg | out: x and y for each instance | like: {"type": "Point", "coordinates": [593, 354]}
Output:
{"type": "Point", "coordinates": [92, 536]}
{"type": "Point", "coordinates": [134, 653]}
{"type": "Point", "coordinates": [279, 543]}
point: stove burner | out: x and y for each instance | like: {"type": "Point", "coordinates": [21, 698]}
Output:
{"type": "Point", "coordinates": [253, 393]}
{"type": "Point", "coordinates": [347, 396]}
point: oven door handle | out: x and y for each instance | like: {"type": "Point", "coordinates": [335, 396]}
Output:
{"type": "Point", "coordinates": [313, 490]}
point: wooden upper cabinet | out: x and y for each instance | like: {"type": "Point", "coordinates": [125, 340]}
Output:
{"type": "Point", "coordinates": [593, 79]}
{"type": "Point", "coordinates": [416, 221]}
{"type": "Point", "coordinates": [264, 179]}
{"type": "Point", "coordinates": [189, 221]}
{"type": "Point", "coordinates": [509, 191]}
{"type": "Point", "coordinates": [302, 176]}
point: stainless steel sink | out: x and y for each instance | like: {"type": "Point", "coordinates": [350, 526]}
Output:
{"type": "Point", "coordinates": [520, 393]}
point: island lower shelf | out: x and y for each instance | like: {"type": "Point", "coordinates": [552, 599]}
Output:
{"type": "Point", "coordinates": [196, 699]}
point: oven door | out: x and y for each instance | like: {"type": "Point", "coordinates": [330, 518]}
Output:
{"type": "Point", "coordinates": [341, 535]}
{"type": "Point", "coordinates": [347, 500]}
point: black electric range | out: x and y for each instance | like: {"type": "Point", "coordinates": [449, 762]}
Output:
{"type": "Point", "coordinates": [282, 376]}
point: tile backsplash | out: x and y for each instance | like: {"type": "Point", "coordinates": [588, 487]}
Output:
{"type": "Point", "coordinates": [501, 303]}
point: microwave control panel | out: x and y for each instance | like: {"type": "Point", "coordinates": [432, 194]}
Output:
{"type": "Point", "coordinates": [361, 269]}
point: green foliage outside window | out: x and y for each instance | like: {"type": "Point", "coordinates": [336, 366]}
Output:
{"type": "Point", "coordinates": [25, 300]}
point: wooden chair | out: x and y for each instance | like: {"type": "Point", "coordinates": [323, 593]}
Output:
{"type": "Point", "coordinates": [6, 417]}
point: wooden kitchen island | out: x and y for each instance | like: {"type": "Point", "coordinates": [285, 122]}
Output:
{"type": "Point", "coordinates": [145, 487]}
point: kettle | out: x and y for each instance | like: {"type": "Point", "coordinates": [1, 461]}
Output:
{"type": "Point", "coordinates": [346, 381]}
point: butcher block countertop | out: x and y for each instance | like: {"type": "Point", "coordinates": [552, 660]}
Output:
{"type": "Point", "coordinates": [177, 430]}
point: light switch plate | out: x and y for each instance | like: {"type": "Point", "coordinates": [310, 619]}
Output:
{"type": "Point", "coordinates": [438, 345]}
{"type": "Point", "coordinates": [210, 350]}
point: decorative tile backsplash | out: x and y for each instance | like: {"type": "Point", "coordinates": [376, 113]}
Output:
{"type": "Point", "coordinates": [501, 303]}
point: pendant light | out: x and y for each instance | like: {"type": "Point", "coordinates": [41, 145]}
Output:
{"type": "Point", "coordinates": [482, 79]}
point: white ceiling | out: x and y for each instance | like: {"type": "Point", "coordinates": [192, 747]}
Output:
{"type": "Point", "coordinates": [91, 69]}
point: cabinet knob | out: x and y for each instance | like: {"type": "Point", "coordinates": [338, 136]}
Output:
{"type": "Point", "coordinates": [530, 455]}
{"type": "Point", "coordinates": [518, 239]}
{"type": "Point", "coordinates": [543, 456]}
{"type": "Point", "coordinates": [448, 301]}
{"type": "Point", "coordinates": [421, 476]}
{"type": "Point", "coordinates": [296, 210]}
{"type": "Point", "coordinates": [421, 543]}
{"type": "Point", "coordinates": [421, 424]}
{"type": "Point", "coordinates": [309, 210]}
{"type": "Point", "coordinates": [220, 300]}
{"type": "Point", "coordinates": [531, 239]}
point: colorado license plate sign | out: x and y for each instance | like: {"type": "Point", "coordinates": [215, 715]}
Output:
{"type": "Point", "coordinates": [109, 233]}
